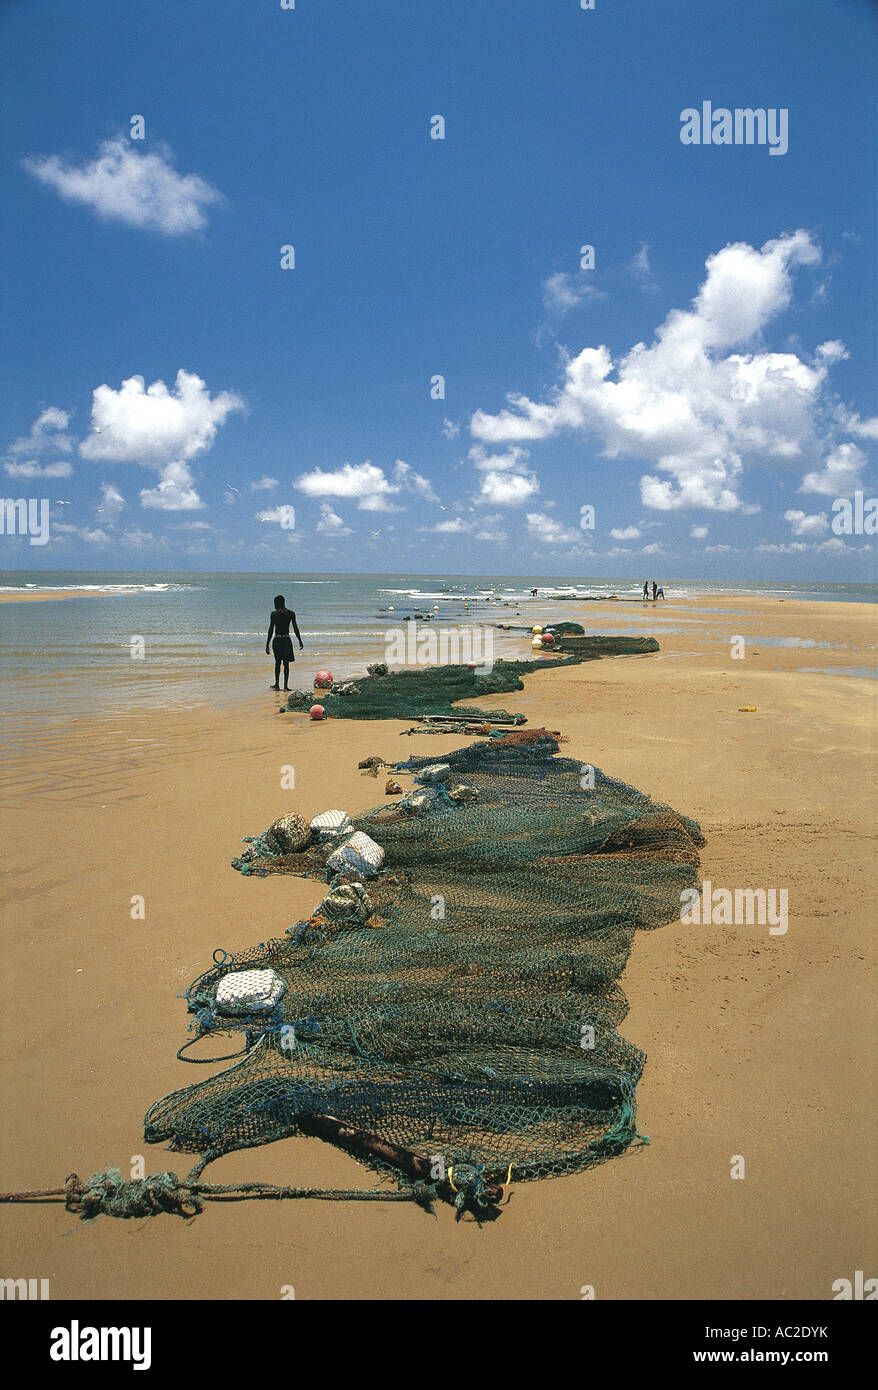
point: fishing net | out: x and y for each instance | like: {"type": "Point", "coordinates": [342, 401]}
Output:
{"type": "Point", "coordinates": [407, 693]}
{"type": "Point", "coordinates": [465, 1003]}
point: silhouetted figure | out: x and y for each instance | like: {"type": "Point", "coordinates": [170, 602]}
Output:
{"type": "Point", "coordinates": [282, 619]}
{"type": "Point", "coordinates": [654, 590]}
{"type": "Point", "coordinates": [660, 594]}
{"type": "Point", "coordinates": [646, 588]}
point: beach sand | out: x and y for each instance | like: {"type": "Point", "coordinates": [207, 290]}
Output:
{"type": "Point", "coordinates": [757, 1045]}
{"type": "Point", "coordinates": [44, 595]}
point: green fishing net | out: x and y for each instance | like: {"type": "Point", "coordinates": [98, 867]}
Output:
{"type": "Point", "coordinates": [468, 1009]}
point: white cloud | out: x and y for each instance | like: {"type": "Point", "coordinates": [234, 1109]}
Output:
{"type": "Point", "coordinates": [563, 291]}
{"type": "Point", "coordinates": [689, 404]}
{"type": "Point", "coordinates": [32, 469]}
{"type": "Point", "coordinates": [803, 525]}
{"type": "Point", "coordinates": [653, 549]}
{"type": "Point", "coordinates": [720, 549]}
{"type": "Point", "coordinates": [454, 527]}
{"type": "Point", "coordinates": [791, 548]}
{"type": "Point", "coordinates": [698, 533]}
{"type": "Point", "coordinates": [94, 536]}
{"type": "Point", "coordinates": [330, 523]}
{"type": "Point", "coordinates": [138, 187]}
{"type": "Point", "coordinates": [175, 491]}
{"type": "Point", "coordinates": [283, 515]}
{"type": "Point", "coordinates": [505, 479]}
{"type": "Point", "coordinates": [142, 540]}
{"type": "Point", "coordinates": [112, 501]}
{"type": "Point", "coordinates": [265, 484]}
{"type": "Point", "coordinates": [625, 533]}
{"type": "Point", "coordinates": [363, 483]}
{"type": "Point", "coordinates": [46, 435]}
{"type": "Point", "coordinates": [507, 489]}
{"type": "Point", "coordinates": [449, 429]}
{"type": "Point", "coordinates": [154, 426]}
{"type": "Point", "coordinates": [551, 532]}
{"type": "Point", "coordinates": [193, 526]}
{"type": "Point", "coordinates": [865, 429]}
{"type": "Point", "coordinates": [840, 474]}
{"type": "Point", "coordinates": [410, 481]}
{"type": "Point", "coordinates": [641, 268]}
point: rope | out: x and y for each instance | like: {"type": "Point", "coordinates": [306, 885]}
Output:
{"type": "Point", "coordinates": [109, 1194]}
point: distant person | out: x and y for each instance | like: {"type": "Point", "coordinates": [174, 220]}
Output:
{"type": "Point", "coordinates": [654, 591]}
{"type": "Point", "coordinates": [661, 593]}
{"type": "Point", "coordinates": [533, 593]}
{"type": "Point", "coordinates": [282, 619]}
{"type": "Point", "coordinates": [645, 589]}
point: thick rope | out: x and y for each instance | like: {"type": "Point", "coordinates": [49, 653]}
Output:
{"type": "Point", "coordinates": [109, 1194]}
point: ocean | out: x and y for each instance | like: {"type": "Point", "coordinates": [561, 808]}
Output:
{"type": "Point", "coordinates": [202, 636]}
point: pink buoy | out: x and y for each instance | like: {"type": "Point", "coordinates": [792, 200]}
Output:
{"type": "Point", "coordinates": [323, 680]}
{"type": "Point", "coordinates": [548, 639]}
{"type": "Point", "coordinates": [318, 712]}
{"type": "Point", "coordinates": [470, 665]}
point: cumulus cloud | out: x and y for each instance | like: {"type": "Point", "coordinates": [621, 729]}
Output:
{"type": "Point", "coordinates": [153, 425]}
{"type": "Point", "coordinates": [551, 532]}
{"type": "Point", "coordinates": [803, 525]}
{"type": "Point", "coordinates": [31, 469]}
{"type": "Point", "coordinates": [47, 434]}
{"type": "Point", "coordinates": [698, 533]}
{"type": "Point", "coordinates": [449, 429]}
{"type": "Point", "coordinates": [175, 491]}
{"type": "Point", "coordinates": [625, 533]}
{"type": "Point", "coordinates": [126, 184]}
{"type": "Point", "coordinates": [695, 405]}
{"type": "Point", "coordinates": [330, 523]}
{"type": "Point", "coordinates": [840, 474]}
{"type": "Point", "coordinates": [158, 428]}
{"type": "Point", "coordinates": [366, 484]}
{"type": "Point", "coordinates": [265, 484]}
{"type": "Point", "coordinates": [505, 479]}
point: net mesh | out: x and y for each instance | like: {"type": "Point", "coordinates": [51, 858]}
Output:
{"type": "Point", "coordinates": [409, 693]}
{"type": "Point", "coordinates": [474, 1017]}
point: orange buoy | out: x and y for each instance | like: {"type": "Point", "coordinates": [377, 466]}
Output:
{"type": "Point", "coordinates": [323, 680]}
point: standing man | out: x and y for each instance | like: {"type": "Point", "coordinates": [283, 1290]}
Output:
{"type": "Point", "coordinates": [282, 619]}
{"type": "Point", "coordinates": [645, 590]}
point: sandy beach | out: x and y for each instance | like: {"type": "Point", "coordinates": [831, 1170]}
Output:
{"type": "Point", "coordinates": [758, 1045]}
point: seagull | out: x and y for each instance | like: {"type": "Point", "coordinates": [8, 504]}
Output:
{"type": "Point", "coordinates": [374, 533]}
{"type": "Point", "coordinates": [231, 489]}
{"type": "Point", "coordinates": [59, 503]}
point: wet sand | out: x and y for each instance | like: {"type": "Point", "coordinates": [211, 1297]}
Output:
{"type": "Point", "coordinates": [758, 1046]}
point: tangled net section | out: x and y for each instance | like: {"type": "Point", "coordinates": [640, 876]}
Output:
{"type": "Point", "coordinates": [407, 693]}
{"type": "Point", "coordinates": [463, 1003]}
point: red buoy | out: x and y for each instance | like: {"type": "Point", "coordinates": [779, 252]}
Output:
{"type": "Point", "coordinates": [318, 712]}
{"type": "Point", "coordinates": [323, 680]}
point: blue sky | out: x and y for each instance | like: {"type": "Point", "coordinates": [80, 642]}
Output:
{"type": "Point", "coordinates": [283, 418]}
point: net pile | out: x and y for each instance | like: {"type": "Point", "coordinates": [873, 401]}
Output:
{"type": "Point", "coordinates": [588, 648]}
{"type": "Point", "coordinates": [473, 1017]}
{"type": "Point", "coordinates": [408, 693]}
